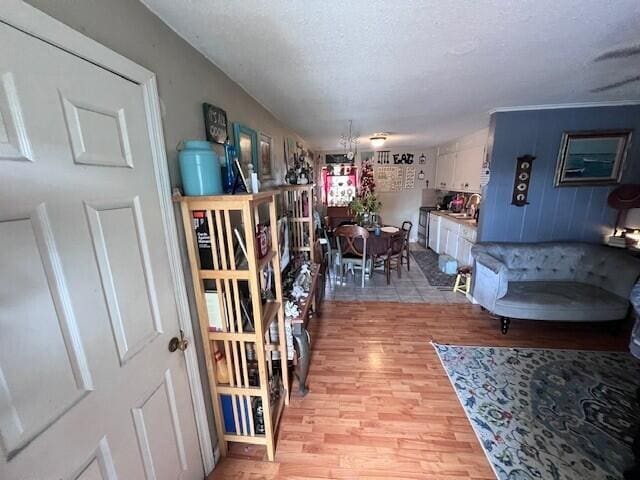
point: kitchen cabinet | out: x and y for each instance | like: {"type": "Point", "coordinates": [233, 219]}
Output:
{"type": "Point", "coordinates": [464, 251]}
{"type": "Point", "coordinates": [445, 167]}
{"type": "Point", "coordinates": [459, 164]}
{"type": "Point", "coordinates": [434, 232]}
{"type": "Point", "coordinates": [443, 236]}
{"type": "Point", "coordinates": [450, 237]}
{"type": "Point", "coordinates": [468, 166]}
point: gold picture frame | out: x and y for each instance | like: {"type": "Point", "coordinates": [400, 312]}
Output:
{"type": "Point", "coordinates": [592, 157]}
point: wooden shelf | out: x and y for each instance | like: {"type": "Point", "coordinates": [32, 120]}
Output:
{"type": "Point", "coordinates": [255, 439]}
{"type": "Point", "coordinates": [227, 390]}
{"type": "Point", "coordinates": [276, 412]}
{"type": "Point", "coordinates": [239, 274]}
{"type": "Point", "coordinates": [269, 314]}
{"type": "Point", "coordinates": [223, 214]}
{"type": "Point", "coordinates": [297, 204]}
{"type": "Point", "coordinates": [264, 261]}
{"type": "Point", "coordinates": [238, 198]}
{"type": "Point", "coordinates": [269, 311]}
{"type": "Point", "coordinates": [305, 305]}
{"type": "Point", "coordinates": [224, 274]}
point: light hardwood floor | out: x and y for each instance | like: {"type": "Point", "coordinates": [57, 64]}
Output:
{"type": "Point", "coordinates": [380, 405]}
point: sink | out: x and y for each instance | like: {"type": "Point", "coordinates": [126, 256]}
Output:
{"type": "Point", "coordinates": [459, 215]}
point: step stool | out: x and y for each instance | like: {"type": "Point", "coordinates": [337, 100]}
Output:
{"type": "Point", "coordinates": [463, 280]}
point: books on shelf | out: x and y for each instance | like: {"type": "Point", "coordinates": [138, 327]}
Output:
{"type": "Point", "coordinates": [199, 219]}
{"type": "Point", "coordinates": [239, 261]}
{"type": "Point", "coordinates": [215, 310]}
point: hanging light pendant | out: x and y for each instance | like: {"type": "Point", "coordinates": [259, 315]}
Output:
{"type": "Point", "coordinates": [350, 143]}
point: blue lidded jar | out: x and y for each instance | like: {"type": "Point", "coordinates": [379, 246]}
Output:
{"type": "Point", "coordinates": [199, 168]}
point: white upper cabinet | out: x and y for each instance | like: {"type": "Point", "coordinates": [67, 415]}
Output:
{"type": "Point", "coordinates": [459, 163]}
{"type": "Point", "coordinates": [445, 171]}
{"type": "Point", "coordinates": [467, 169]}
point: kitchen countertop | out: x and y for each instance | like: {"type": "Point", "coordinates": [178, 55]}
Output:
{"type": "Point", "coordinates": [467, 222]}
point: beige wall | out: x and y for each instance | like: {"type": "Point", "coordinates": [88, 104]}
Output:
{"type": "Point", "coordinates": [186, 79]}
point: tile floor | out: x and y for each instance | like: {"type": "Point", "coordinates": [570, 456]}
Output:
{"type": "Point", "coordinates": [412, 287]}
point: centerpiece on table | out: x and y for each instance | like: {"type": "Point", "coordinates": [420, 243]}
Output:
{"type": "Point", "coordinates": [366, 209]}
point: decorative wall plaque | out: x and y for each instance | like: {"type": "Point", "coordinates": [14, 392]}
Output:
{"type": "Point", "coordinates": [215, 123]}
{"type": "Point", "coordinates": [521, 183]}
{"type": "Point", "coordinates": [406, 158]}
{"type": "Point", "coordinates": [383, 157]}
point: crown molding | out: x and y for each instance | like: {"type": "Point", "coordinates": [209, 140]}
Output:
{"type": "Point", "coordinates": [556, 106]}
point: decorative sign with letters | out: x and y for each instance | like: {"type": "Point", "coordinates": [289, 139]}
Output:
{"type": "Point", "coordinates": [406, 158]}
{"type": "Point", "coordinates": [215, 123]}
{"type": "Point", "coordinates": [521, 182]}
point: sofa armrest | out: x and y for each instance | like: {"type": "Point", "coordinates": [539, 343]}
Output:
{"type": "Point", "coordinates": [491, 280]}
{"type": "Point", "coordinates": [492, 263]}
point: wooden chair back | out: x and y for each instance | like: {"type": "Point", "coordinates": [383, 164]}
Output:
{"type": "Point", "coordinates": [406, 227]}
{"type": "Point", "coordinates": [397, 243]}
{"type": "Point", "coordinates": [337, 215]}
{"type": "Point", "coordinates": [346, 236]}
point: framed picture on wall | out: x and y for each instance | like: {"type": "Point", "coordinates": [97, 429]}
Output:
{"type": "Point", "coordinates": [246, 142]}
{"type": "Point", "coordinates": [335, 158]}
{"type": "Point", "coordinates": [592, 157]}
{"type": "Point", "coordinates": [265, 163]}
{"type": "Point", "coordinates": [289, 151]}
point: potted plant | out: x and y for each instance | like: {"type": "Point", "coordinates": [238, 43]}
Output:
{"type": "Point", "coordinates": [363, 207]}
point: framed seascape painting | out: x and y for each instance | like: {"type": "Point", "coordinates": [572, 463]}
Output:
{"type": "Point", "coordinates": [265, 158]}
{"type": "Point", "coordinates": [592, 157]}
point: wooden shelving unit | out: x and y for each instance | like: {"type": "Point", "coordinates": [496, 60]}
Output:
{"type": "Point", "coordinates": [297, 204]}
{"type": "Point", "coordinates": [239, 296]}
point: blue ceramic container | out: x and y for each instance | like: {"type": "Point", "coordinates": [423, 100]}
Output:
{"type": "Point", "coordinates": [199, 168]}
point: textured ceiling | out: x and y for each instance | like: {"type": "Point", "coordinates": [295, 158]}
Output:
{"type": "Point", "coordinates": [426, 71]}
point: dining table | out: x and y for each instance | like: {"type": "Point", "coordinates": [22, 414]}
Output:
{"type": "Point", "coordinates": [377, 245]}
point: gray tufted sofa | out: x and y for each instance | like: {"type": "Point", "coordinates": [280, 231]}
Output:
{"type": "Point", "coordinates": [566, 281]}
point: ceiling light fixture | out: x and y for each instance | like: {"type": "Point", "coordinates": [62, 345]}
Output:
{"type": "Point", "coordinates": [378, 139]}
{"type": "Point", "coordinates": [350, 143]}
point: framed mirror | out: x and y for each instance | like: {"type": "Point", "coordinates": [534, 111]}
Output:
{"type": "Point", "coordinates": [246, 142]}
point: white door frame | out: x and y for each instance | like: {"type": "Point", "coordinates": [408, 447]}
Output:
{"type": "Point", "coordinates": [30, 20]}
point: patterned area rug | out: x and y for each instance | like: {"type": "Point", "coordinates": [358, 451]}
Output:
{"type": "Point", "coordinates": [548, 414]}
{"type": "Point", "coordinates": [427, 260]}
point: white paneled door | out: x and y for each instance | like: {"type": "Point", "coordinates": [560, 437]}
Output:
{"type": "Point", "coordinates": [88, 388]}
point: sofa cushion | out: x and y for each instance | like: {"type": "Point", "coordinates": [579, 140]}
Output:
{"type": "Point", "coordinates": [567, 301]}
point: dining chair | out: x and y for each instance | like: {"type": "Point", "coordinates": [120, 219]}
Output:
{"type": "Point", "coordinates": [406, 228]}
{"type": "Point", "coordinates": [328, 253]}
{"type": "Point", "coordinates": [349, 252]}
{"type": "Point", "coordinates": [321, 261]}
{"type": "Point", "coordinates": [393, 257]}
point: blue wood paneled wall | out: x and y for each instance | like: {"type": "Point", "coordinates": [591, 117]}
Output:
{"type": "Point", "coordinates": [563, 213]}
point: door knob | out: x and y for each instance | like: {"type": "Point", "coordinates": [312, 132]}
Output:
{"type": "Point", "coordinates": [178, 343]}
